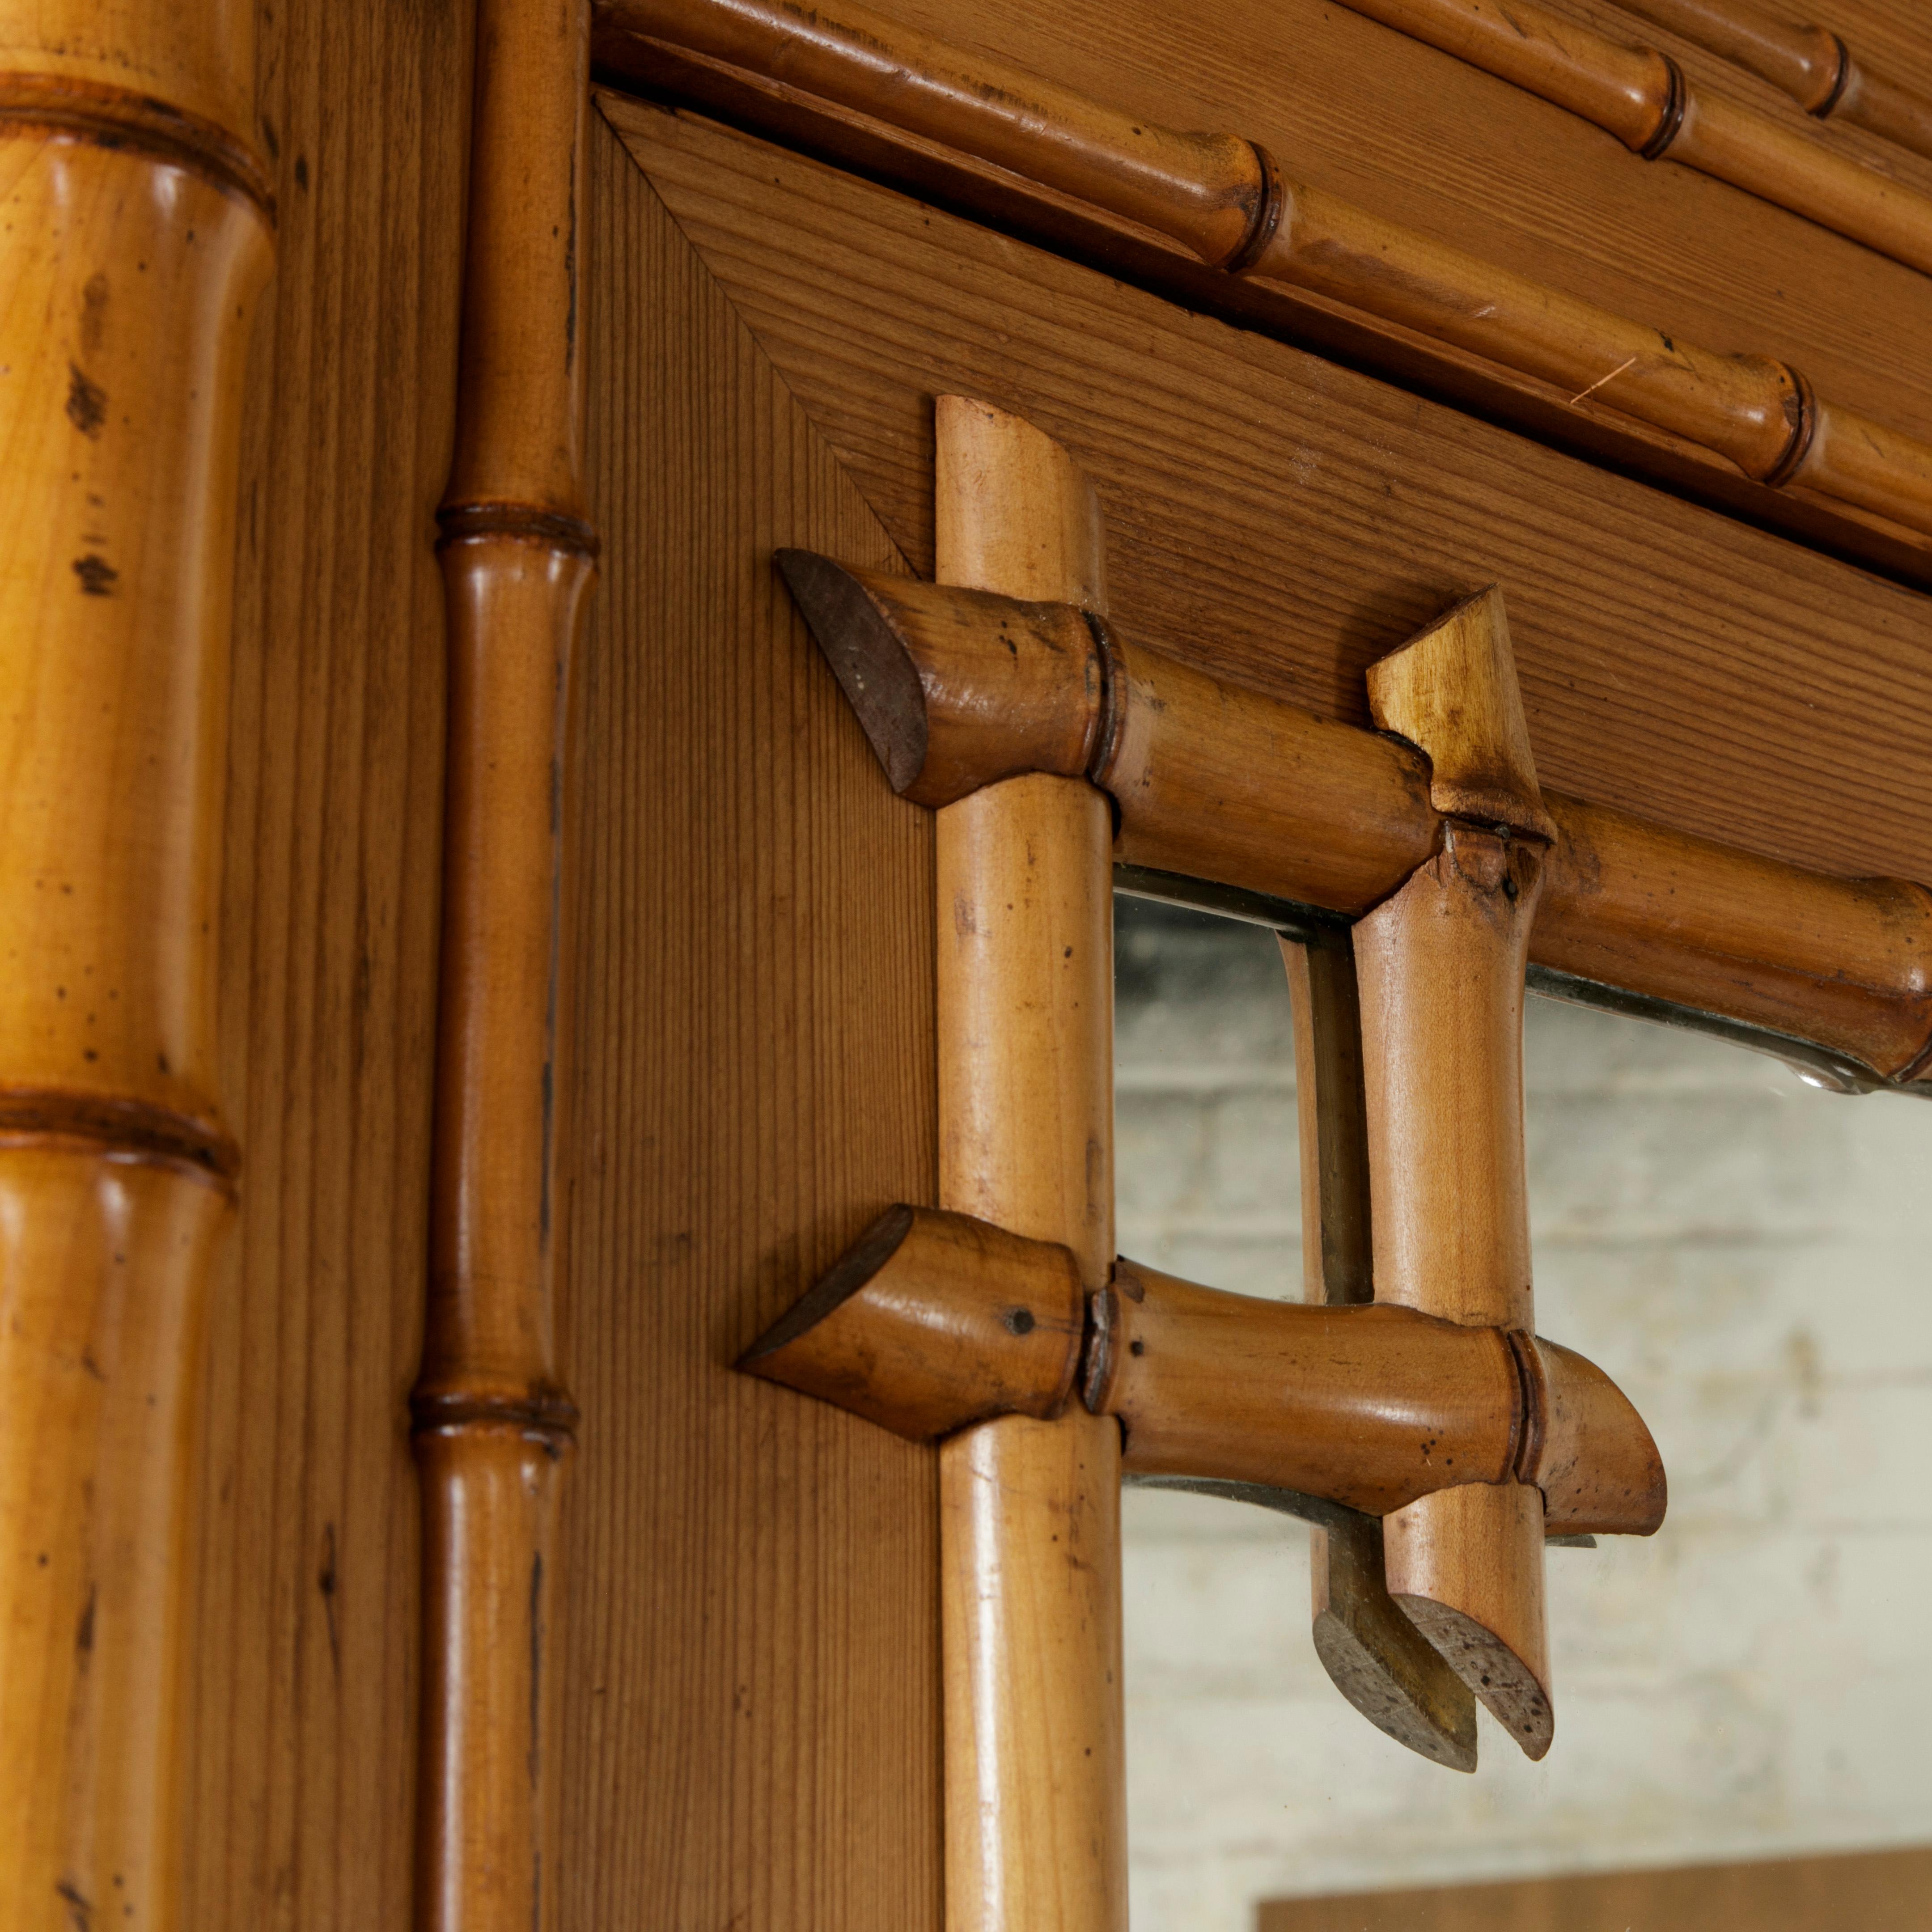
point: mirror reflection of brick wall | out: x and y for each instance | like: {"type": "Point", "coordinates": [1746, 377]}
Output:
{"type": "Point", "coordinates": [1747, 1258]}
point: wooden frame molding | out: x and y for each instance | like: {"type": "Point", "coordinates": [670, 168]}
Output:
{"type": "Point", "coordinates": [1811, 63]}
{"type": "Point", "coordinates": [1644, 98]}
{"type": "Point", "coordinates": [137, 239]}
{"type": "Point", "coordinates": [494, 1424]}
{"type": "Point", "coordinates": [1053, 162]}
{"type": "Point", "coordinates": [1214, 782]}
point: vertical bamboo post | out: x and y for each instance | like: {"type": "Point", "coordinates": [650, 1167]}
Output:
{"type": "Point", "coordinates": [1036, 1837]}
{"type": "Point", "coordinates": [135, 226]}
{"type": "Point", "coordinates": [1441, 965]}
{"type": "Point", "coordinates": [493, 1425]}
{"type": "Point", "coordinates": [1374, 1655]}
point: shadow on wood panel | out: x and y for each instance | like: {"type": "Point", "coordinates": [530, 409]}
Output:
{"type": "Point", "coordinates": [1869, 1892]}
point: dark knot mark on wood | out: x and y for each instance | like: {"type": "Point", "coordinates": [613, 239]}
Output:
{"type": "Point", "coordinates": [86, 400]}
{"type": "Point", "coordinates": [98, 576]}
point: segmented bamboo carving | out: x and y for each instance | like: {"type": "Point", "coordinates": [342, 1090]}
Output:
{"type": "Point", "coordinates": [1228, 204]}
{"type": "Point", "coordinates": [134, 237]}
{"type": "Point", "coordinates": [1214, 782]}
{"type": "Point", "coordinates": [1809, 62]}
{"type": "Point", "coordinates": [494, 1425]}
{"type": "Point", "coordinates": [1647, 101]}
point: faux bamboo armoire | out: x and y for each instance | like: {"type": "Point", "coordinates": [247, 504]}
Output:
{"type": "Point", "coordinates": [594, 599]}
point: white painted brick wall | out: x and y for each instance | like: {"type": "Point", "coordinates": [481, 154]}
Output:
{"type": "Point", "coordinates": [1748, 1258]}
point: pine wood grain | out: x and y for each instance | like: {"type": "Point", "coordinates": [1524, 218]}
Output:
{"type": "Point", "coordinates": [1419, 137]}
{"type": "Point", "coordinates": [302, 1715]}
{"type": "Point", "coordinates": [1284, 521]}
{"type": "Point", "coordinates": [1877, 1892]}
{"type": "Point", "coordinates": [750, 1719]}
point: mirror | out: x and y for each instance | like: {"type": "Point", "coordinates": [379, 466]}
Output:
{"type": "Point", "coordinates": [1747, 1256]}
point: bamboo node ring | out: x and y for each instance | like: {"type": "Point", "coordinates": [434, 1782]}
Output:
{"type": "Point", "coordinates": [526, 522]}
{"type": "Point", "coordinates": [116, 117]}
{"type": "Point", "coordinates": [1841, 77]}
{"type": "Point", "coordinates": [1671, 121]}
{"type": "Point", "coordinates": [1802, 408]}
{"type": "Point", "coordinates": [1271, 202]}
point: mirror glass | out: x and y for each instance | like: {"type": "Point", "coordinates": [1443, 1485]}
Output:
{"type": "Point", "coordinates": [1747, 1258]}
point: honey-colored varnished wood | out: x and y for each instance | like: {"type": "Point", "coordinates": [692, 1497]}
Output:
{"type": "Point", "coordinates": [1036, 1785]}
{"type": "Point", "coordinates": [494, 1425]}
{"type": "Point", "coordinates": [748, 1670]}
{"type": "Point", "coordinates": [300, 1703]}
{"type": "Point", "coordinates": [934, 1320]}
{"type": "Point", "coordinates": [1441, 966]}
{"type": "Point", "coordinates": [1374, 1655]}
{"type": "Point", "coordinates": [1753, 411]}
{"type": "Point", "coordinates": [1645, 99]}
{"type": "Point", "coordinates": [931, 1321]}
{"type": "Point", "coordinates": [1216, 783]}
{"type": "Point", "coordinates": [135, 239]}
{"type": "Point", "coordinates": [1635, 618]}
{"type": "Point", "coordinates": [1816, 66]}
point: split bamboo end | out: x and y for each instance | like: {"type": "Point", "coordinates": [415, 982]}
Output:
{"type": "Point", "coordinates": [1466, 1565]}
{"type": "Point", "coordinates": [1452, 692]}
{"type": "Point", "coordinates": [1377, 1657]}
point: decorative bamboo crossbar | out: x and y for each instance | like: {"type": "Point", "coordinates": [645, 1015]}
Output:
{"type": "Point", "coordinates": [134, 240]}
{"type": "Point", "coordinates": [1811, 63]}
{"type": "Point", "coordinates": [1215, 782]}
{"type": "Point", "coordinates": [493, 1425]}
{"type": "Point", "coordinates": [1224, 201]}
{"type": "Point", "coordinates": [1407, 1406]}
{"type": "Point", "coordinates": [1644, 98]}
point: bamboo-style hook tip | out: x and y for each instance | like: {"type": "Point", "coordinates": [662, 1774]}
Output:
{"type": "Point", "coordinates": [1452, 692]}
{"type": "Point", "coordinates": [867, 656]}
{"type": "Point", "coordinates": [846, 1277]}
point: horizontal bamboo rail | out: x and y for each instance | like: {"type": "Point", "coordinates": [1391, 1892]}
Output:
{"type": "Point", "coordinates": [494, 1427]}
{"type": "Point", "coordinates": [1225, 203]}
{"type": "Point", "coordinates": [1648, 103]}
{"type": "Point", "coordinates": [135, 237]}
{"type": "Point", "coordinates": [1215, 782]}
{"type": "Point", "coordinates": [1811, 63]}
{"type": "Point", "coordinates": [934, 1320]}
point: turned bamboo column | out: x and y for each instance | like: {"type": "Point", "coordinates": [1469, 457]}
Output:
{"type": "Point", "coordinates": [1373, 1654]}
{"type": "Point", "coordinates": [135, 226]}
{"type": "Point", "coordinates": [494, 1424]}
{"type": "Point", "coordinates": [1030, 1510]}
{"type": "Point", "coordinates": [1441, 965]}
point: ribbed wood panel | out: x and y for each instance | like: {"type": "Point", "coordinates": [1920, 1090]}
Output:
{"type": "Point", "coordinates": [750, 1687]}
{"type": "Point", "coordinates": [302, 1722]}
{"type": "Point", "coordinates": [1285, 521]}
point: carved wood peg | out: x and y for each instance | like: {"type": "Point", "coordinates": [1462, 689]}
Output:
{"type": "Point", "coordinates": [933, 1321]}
